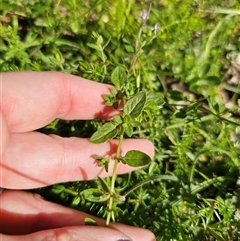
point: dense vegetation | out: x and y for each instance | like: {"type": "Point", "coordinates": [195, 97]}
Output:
{"type": "Point", "coordinates": [187, 54]}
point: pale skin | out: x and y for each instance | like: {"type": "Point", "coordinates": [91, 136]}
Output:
{"type": "Point", "coordinates": [29, 159]}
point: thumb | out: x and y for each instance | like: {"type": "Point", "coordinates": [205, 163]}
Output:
{"type": "Point", "coordinates": [82, 233]}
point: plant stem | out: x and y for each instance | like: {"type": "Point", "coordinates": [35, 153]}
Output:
{"type": "Point", "coordinates": [157, 178]}
{"type": "Point", "coordinates": [114, 176]}
{"type": "Point", "coordinates": [139, 46]}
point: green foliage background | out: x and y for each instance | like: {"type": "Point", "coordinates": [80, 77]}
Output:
{"type": "Point", "coordinates": [194, 182]}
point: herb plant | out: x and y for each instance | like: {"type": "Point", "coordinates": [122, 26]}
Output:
{"type": "Point", "coordinates": [175, 70]}
{"type": "Point", "coordinates": [121, 125]}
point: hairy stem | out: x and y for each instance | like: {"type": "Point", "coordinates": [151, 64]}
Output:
{"type": "Point", "coordinates": [114, 176]}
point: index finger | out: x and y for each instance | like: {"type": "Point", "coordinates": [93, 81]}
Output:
{"type": "Point", "coordinates": [30, 100]}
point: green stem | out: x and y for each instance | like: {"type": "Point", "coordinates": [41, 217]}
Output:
{"type": "Point", "coordinates": [114, 176]}
{"type": "Point", "coordinates": [158, 178]}
{"type": "Point", "coordinates": [71, 192]}
{"type": "Point", "coordinates": [139, 46]}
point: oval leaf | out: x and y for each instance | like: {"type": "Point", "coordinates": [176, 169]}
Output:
{"type": "Point", "coordinates": [119, 76]}
{"type": "Point", "coordinates": [203, 70]}
{"type": "Point", "coordinates": [136, 158]}
{"type": "Point", "coordinates": [95, 195]}
{"type": "Point", "coordinates": [175, 95]}
{"type": "Point", "coordinates": [135, 105]}
{"type": "Point", "coordinates": [154, 100]}
{"type": "Point", "coordinates": [76, 200]}
{"type": "Point", "coordinates": [106, 132]}
{"type": "Point", "coordinates": [58, 189]}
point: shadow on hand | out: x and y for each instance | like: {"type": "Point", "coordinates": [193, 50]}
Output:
{"type": "Point", "coordinates": [23, 213]}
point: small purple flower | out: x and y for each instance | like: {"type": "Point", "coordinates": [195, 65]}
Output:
{"type": "Point", "coordinates": [144, 15]}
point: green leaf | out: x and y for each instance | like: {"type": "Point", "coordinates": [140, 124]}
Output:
{"type": "Point", "coordinates": [119, 76]}
{"type": "Point", "coordinates": [90, 222]}
{"type": "Point", "coordinates": [129, 48]}
{"type": "Point", "coordinates": [95, 195]}
{"type": "Point", "coordinates": [99, 40]}
{"type": "Point", "coordinates": [213, 80]}
{"type": "Point", "coordinates": [103, 184]}
{"type": "Point", "coordinates": [154, 100]}
{"type": "Point", "coordinates": [215, 106]}
{"type": "Point", "coordinates": [57, 188]}
{"type": "Point", "coordinates": [135, 123]}
{"type": "Point", "coordinates": [203, 70]}
{"type": "Point", "coordinates": [103, 162]}
{"type": "Point", "coordinates": [135, 105]}
{"type": "Point", "coordinates": [106, 132]}
{"type": "Point", "coordinates": [127, 119]}
{"type": "Point", "coordinates": [118, 119]}
{"type": "Point", "coordinates": [209, 81]}
{"type": "Point", "coordinates": [76, 200]}
{"type": "Point", "coordinates": [109, 100]}
{"type": "Point", "coordinates": [114, 92]}
{"type": "Point", "coordinates": [128, 130]}
{"type": "Point", "coordinates": [136, 158]}
{"type": "Point", "coordinates": [175, 95]}
{"type": "Point", "coordinates": [93, 46]}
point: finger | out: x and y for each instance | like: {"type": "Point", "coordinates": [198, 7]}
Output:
{"type": "Point", "coordinates": [33, 159]}
{"type": "Point", "coordinates": [30, 100]}
{"type": "Point", "coordinates": [25, 213]}
{"type": "Point", "coordinates": [4, 133]}
{"type": "Point", "coordinates": [83, 233]}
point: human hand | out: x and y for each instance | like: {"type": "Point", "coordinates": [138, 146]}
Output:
{"type": "Point", "coordinates": [31, 100]}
